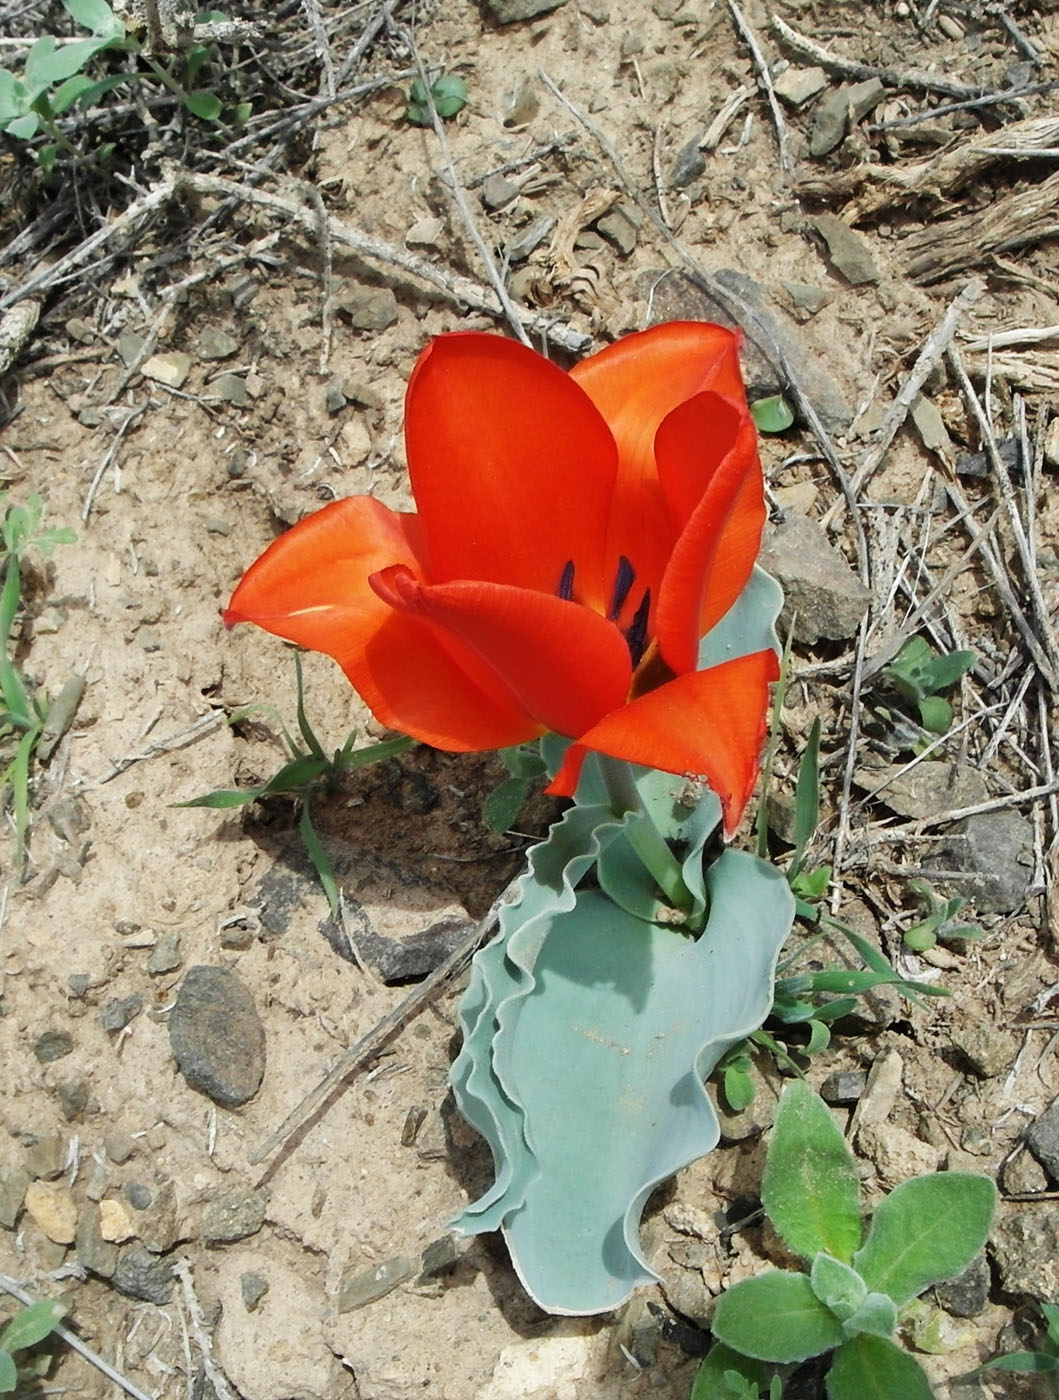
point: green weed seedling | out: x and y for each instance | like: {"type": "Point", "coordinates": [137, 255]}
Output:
{"type": "Point", "coordinates": [27, 720]}
{"type": "Point", "coordinates": [450, 97]}
{"type": "Point", "coordinates": [308, 774]}
{"type": "Point", "coordinates": [1043, 1361]}
{"type": "Point", "coordinates": [525, 767]}
{"type": "Point", "coordinates": [850, 1302]}
{"type": "Point", "coordinates": [26, 1329]}
{"type": "Point", "coordinates": [54, 79]}
{"type": "Point", "coordinates": [772, 415]}
{"type": "Point", "coordinates": [940, 923]}
{"type": "Point", "coordinates": [920, 675]}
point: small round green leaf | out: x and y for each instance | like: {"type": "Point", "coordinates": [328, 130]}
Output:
{"type": "Point", "coordinates": [772, 415]}
{"type": "Point", "coordinates": [721, 1362]}
{"type": "Point", "coordinates": [203, 104]}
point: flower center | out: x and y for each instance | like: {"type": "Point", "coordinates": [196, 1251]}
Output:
{"type": "Point", "coordinates": [636, 633]}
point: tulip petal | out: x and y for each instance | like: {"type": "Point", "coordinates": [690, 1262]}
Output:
{"type": "Point", "coordinates": [566, 665]}
{"type": "Point", "coordinates": [512, 467]}
{"type": "Point", "coordinates": [711, 723]}
{"type": "Point", "coordinates": [311, 587]}
{"type": "Point", "coordinates": [710, 471]}
{"type": "Point", "coordinates": [636, 383]}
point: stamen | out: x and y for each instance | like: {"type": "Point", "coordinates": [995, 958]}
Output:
{"type": "Point", "coordinates": [636, 636]}
{"type": "Point", "coordinates": [566, 582]}
{"type": "Point", "coordinates": [622, 584]}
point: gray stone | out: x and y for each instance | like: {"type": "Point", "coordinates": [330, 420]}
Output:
{"type": "Point", "coordinates": [980, 464]}
{"type": "Point", "coordinates": [822, 593]}
{"type": "Point", "coordinates": [811, 300]}
{"type": "Point", "coordinates": [137, 1195]}
{"type": "Point", "coordinates": [988, 1050]}
{"type": "Point", "coordinates": [234, 1216]}
{"type": "Point", "coordinates": [991, 857]}
{"type": "Point", "coordinates": [1042, 1138]}
{"type": "Point", "coordinates": [439, 1255]}
{"type": "Point", "coordinates": [519, 107]}
{"type": "Point", "coordinates": [116, 1012]}
{"type": "Point", "coordinates": [161, 1227]}
{"type": "Point", "coordinates": [845, 107]}
{"type": "Point", "coordinates": [46, 1158]}
{"type": "Point", "coordinates": [165, 955]}
{"type": "Point", "coordinates": [928, 788]}
{"type": "Point", "coordinates": [13, 1183]}
{"type": "Point", "coordinates": [130, 346]}
{"type": "Point", "coordinates": [620, 228]}
{"type": "Point", "coordinates": [677, 297]}
{"type": "Point", "coordinates": [334, 400]}
{"type": "Point", "coordinates": [73, 1098]}
{"type": "Point", "coordinates": [119, 1146]}
{"type": "Point", "coordinates": [94, 1253]}
{"type": "Point", "coordinates": [69, 817]}
{"type": "Point", "coordinates": [232, 389]}
{"type": "Point", "coordinates": [520, 247]}
{"type": "Point", "coordinates": [253, 1288]}
{"type": "Point", "coordinates": [369, 308]}
{"type": "Point", "coordinates": [844, 1086]}
{"type": "Point", "coordinates": [52, 1046]}
{"type": "Point", "coordinates": [1024, 1176]}
{"type": "Point", "coordinates": [217, 1037]}
{"type": "Point", "coordinates": [511, 11]}
{"type": "Point", "coordinates": [357, 1290]}
{"type": "Point", "coordinates": [688, 166]}
{"type": "Point", "coordinates": [498, 191]}
{"type": "Point", "coordinates": [849, 250]}
{"type": "Point", "coordinates": [139, 1274]}
{"type": "Point", "coordinates": [215, 344]}
{"type": "Point", "coordinates": [1025, 1248]}
{"type": "Point", "coordinates": [968, 1294]}
{"type": "Point", "coordinates": [797, 86]}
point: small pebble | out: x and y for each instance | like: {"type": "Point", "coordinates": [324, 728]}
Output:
{"type": "Point", "coordinates": [254, 1288]}
{"type": "Point", "coordinates": [232, 388]}
{"type": "Point", "coordinates": [119, 1146]}
{"type": "Point", "coordinates": [73, 1098]}
{"type": "Point", "coordinates": [234, 1216]}
{"type": "Point", "coordinates": [52, 1045]}
{"type": "Point", "coordinates": [139, 1274]}
{"type": "Point", "coordinates": [334, 400]}
{"type": "Point", "coordinates": [170, 369]}
{"type": "Point", "coordinates": [215, 344]}
{"type": "Point", "coordinates": [46, 1158]}
{"type": "Point", "coordinates": [165, 955]}
{"type": "Point", "coordinates": [51, 1206]}
{"type": "Point", "coordinates": [137, 1195]}
{"type": "Point", "coordinates": [844, 1086]}
{"type": "Point", "coordinates": [116, 1012]}
{"type": "Point", "coordinates": [115, 1223]}
{"type": "Point", "coordinates": [357, 1290]}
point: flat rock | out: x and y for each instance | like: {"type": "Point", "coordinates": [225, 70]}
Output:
{"type": "Point", "coordinates": [170, 369]}
{"type": "Point", "coordinates": [689, 164]}
{"type": "Point", "coordinates": [364, 1286]}
{"type": "Point", "coordinates": [234, 1216]}
{"type": "Point", "coordinates": [215, 344]}
{"type": "Point", "coordinates": [620, 227]}
{"type": "Point", "coordinates": [967, 1295]}
{"type": "Point", "coordinates": [116, 1012]}
{"type": "Point", "coordinates": [677, 297]}
{"type": "Point", "coordinates": [1042, 1138]}
{"type": "Point", "coordinates": [217, 1037]}
{"type": "Point", "coordinates": [1025, 1247]}
{"type": "Point", "coordinates": [369, 308]}
{"type": "Point", "coordinates": [992, 856]}
{"type": "Point", "coordinates": [922, 791]}
{"type": "Point", "coordinates": [988, 1050]}
{"type": "Point", "coordinates": [165, 955]}
{"type": "Point", "coordinates": [822, 593]}
{"type": "Point", "coordinates": [845, 1086]}
{"type": "Point", "coordinates": [849, 250]}
{"type": "Point", "coordinates": [50, 1204]}
{"type": "Point", "coordinates": [845, 107]}
{"type": "Point", "coordinates": [402, 926]}
{"type": "Point", "coordinates": [511, 11]}
{"type": "Point", "coordinates": [52, 1045]}
{"type": "Point", "coordinates": [797, 86]}
{"type": "Point", "coordinates": [139, 1274]}
{"type": "Point", "coordinates": [13, 1183]}
{"type": "Point", "coordinates": [94, 1251]}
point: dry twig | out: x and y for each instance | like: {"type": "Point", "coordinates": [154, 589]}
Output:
{"type": "Point", "coordinates": [941, 249]}
{"type": "Point", "coordinates": [765, 81]}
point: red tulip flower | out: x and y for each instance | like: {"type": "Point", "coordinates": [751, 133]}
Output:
{"type": "Point", "coordinates": [576, 536]}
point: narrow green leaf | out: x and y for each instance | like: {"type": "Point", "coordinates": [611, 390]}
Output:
{"type": "Point", "coordinates": [8, 1373]}
{"type": "Point", "coordinates": [810, 1189]}
{"type": "Point", "coordinates": [62, 63]}
{"type": "Point", "coordinates": [806, 799]}
{"type": "Point", "coordinates": [927, 1229]}
{"type": "Point", "coordinates": [873, 1368]}
{"type": "Point", "coordinates": [304, 727]}
{"type": "Point", "coordinates": [319, 857]}
{"type": "Point", "coordinates": [1034, 1362]}
{"type": "Point", "coordinates": [776, 1317]}
{"type": "Point", "coordinates": [819, 1037]}
{"type": "Point", "coordinates": [944, 671]}
{"type": "Point", "coordinates": [203, 104]}
{"type": "Point", "coordinates": [32, 1324]}
{"type": "Point", "coordinates": [16, 700]}
{"type": "Point", "coordinates": [720, 1361]}
{"type": "Point", "coordinates": [374, 753]}
{"type": "Point", "coordinates": [1050, 1312]}
{"type": "Point", "coordinates": [223, 799]}
{"type": "Point", "coordinates": [65, 96]}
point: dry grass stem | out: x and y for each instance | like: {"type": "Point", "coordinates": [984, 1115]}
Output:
{"type": "Point", "coordinates": [765, 82]}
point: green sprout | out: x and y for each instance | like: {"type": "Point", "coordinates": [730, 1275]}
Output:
{"type": "Point", "coordinates": [772, 415]}
{"type": "Point", "coordinates": [307, 775]}
{"type": "Point", "coordinates": [28, 722]}
{"type": "Point", "coordinates": [26, 1329]}
{"type": "Point", "coordinates": [525, 767]}
{"type": "Point", "coordinates": [940, 924]}
{"type": "Point", "coordinates": [1042, 1360]}
{"type": "Point", "coordinates": [920, 674]}
{"type": "Point", "coordinates": [450, 97]}
{"type": "Point", "coordinates": [857, 1289]}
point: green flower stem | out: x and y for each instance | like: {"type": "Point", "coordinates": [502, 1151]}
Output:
{"type": "Point", "coordinates": [642, 834]}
